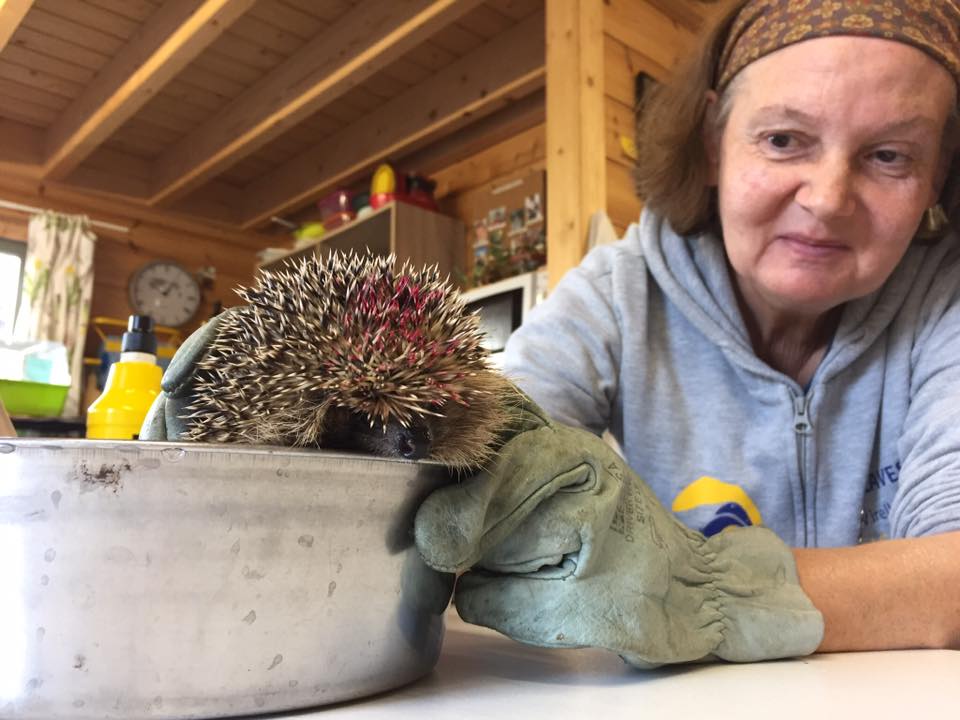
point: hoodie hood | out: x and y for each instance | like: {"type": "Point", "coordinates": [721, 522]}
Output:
{"type": "Point", "coordinates": [694, 274]}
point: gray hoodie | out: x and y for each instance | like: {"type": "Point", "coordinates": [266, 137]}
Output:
{"type": "Point", "coordinates": [645, 339]}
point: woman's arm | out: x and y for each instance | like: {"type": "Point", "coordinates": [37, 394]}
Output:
{"type": "Point", "coordinates": [886, 595]}
{"type": "Point", "coordinates": [566, 356]}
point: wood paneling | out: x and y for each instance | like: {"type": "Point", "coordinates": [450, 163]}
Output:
{"type": "Point", "coordinates": [516, 9]}
{"type": "Point", "coordinates": [620, 122]}
{"type": "Point", "coordinates": [13, 225]}
{"type": "Point", "coordinates": [40, 80]}
{"type": "Point", "coordinates": [525, 150]}
{"type": "Point", "coordinates": [27, 58]}
{"type": "Point", "coordinates": [574, 125]}
{"type": "Point", "coordinates": [11, 17]}
{"type": "Point", "coordinates": [651, 37]}
{"type": "Point", "coordinates": [22, 187]}
{"type": "Point", "coordinates": [54, 26]}
{"type": "Point", "coordinates": [348, 53]}
{"type": "Point", "coordinates": [643, 27]}
{"type": "Point", "coordinates": [21, 145]}
{"type": "Point", "coordinates": [66, 52]}
{"type": "Point", "coordinates": [623, 205]}
{"type": "Point", "coordinates": [512, 63]}
{"type": "Point", "coordinates": [119, 90]}
{"type": "Point", "coordinates": [90, 17]}
{"type": "Point", "coordinates": [163, 46]}
{"type": "Point", "coordinates": [118, 255]}
{"type": "Point", "coordinates": [621, 65]}
{"type": "Point", "coordinates": [285, 17]}
{"type": "Point", "coordinates": [475, 179]}
{"type": "Point", "coordinates": [444, 160]}
{"type": "Point", "coordinates": [326, 10]}
{"type": "Point", "coordinates": [136, 10]}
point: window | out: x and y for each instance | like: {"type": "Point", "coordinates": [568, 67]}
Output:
{"type": "Point", "coordinates": [11, 281]}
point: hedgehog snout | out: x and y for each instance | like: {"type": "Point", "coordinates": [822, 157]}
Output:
{"type": "Point", "coordinates": [413, 442]}
{"type": "Point", "coordinates": [349, 430]}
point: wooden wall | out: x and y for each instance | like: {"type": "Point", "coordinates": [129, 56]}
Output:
{"type": "Point", "coordinates": [637, 37]}
{"type": "Point", "coordinates": [118, 254]}
{"type": "Point", "coordinates": [460, 184]}
{"type": "Point", "coordinates": [457, 183]}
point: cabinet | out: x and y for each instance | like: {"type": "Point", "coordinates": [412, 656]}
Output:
{"type": "Point", "coordinates": [407, 231]}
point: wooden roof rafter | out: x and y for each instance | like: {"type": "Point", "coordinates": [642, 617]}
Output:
{"type": "Point", "coordinates": [169, 40]}
{"type": "Point", "coordinates": [11, 15]}
{"type": "Point", "coordinates": [350, 51]}
{"type": "Point", "coordinates": [509, 65]}
{"type": "Point", "coordinates": [195, 107]}
{"type": "Point", "coordinates": [694, 15]}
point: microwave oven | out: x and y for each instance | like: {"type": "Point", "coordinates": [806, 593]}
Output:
{"type": "Point", "coordinates": [503, 306]}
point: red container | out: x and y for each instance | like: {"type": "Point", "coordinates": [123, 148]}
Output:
{"type": "Point", "coordinates": [336, 209]}
{"type": "Point", "coordinates": [378, 200]}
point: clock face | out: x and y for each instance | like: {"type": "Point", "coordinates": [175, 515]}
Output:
{"type": "Point", "coordinates": [166, 292]}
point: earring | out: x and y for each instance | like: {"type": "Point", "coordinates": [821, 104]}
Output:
{"type": "Point", "coordinates": [934, 222]}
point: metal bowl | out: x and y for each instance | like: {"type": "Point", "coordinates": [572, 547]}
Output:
{"type": "Point", "coordinates": [159, 580]}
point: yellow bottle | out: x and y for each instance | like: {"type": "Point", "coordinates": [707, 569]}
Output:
{"type": "Point", "coordinates": [132, 384]}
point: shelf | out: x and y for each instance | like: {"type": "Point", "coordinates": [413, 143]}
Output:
{"type": "Point", "coordinates": [408, 231]}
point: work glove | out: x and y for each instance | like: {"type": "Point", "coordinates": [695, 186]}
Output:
{"type": "Point", "coordinates": [567, 547]}
{"type": "Point", "coordinates": [162, 421]}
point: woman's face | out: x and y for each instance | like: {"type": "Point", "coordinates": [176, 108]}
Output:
{"type": "Point", "coordinates": [829, 156]}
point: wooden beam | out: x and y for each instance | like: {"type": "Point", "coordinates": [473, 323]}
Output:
{"type": "Point", "coordinates": [687, 13]}
{"type": "Point", "coordinates": [510, 64]}
{"type": "Point", "coordinates": [643, 27]}
{"type": "Point", "coordinates": [172, 37]}
{"type": "Point", "coordinates": [11, 14]}
{"type": "Point", "coordinates": [111, 173]}
{"type": "Point", "coordinates": [351, 50]}
{"type": "Point", "coordinates": [217, 202]}
{"type": "Point", "coordinates": [524, 151]}
{"type": "Point", "coordinates": [31, 190]}
{"type": "Point", "coordinates": [460, 146]}
{"type": "Point", "coordinates": [575, 129]}
{"type": "Point", "coordinates": [442, 158]}
{"type": "Point", "coordinates": [20, 143]}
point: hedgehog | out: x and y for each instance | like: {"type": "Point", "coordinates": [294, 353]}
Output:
{"type": "Point", "coordinates": [344, 352]}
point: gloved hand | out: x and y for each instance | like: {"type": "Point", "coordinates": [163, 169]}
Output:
{"type": "Point", "coordinates": [162, 421]}
{"type": "Point", "coordinates": [569, 548]}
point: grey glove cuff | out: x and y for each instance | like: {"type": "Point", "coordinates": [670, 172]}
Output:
{"type": "Point", "coordinates": [765, 613]}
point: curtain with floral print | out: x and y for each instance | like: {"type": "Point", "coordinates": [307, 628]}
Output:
{"type": "Point", "coordinates": [57, 288]}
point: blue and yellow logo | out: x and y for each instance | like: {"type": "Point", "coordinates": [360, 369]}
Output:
{"type": "Point", "coordinates": [733, 507]}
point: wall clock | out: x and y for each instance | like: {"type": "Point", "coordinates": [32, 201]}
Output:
{"type": "Point", "coordinates": [166, 291]}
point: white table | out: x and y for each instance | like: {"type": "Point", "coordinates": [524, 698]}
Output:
{"type": "Point", "coordinates": [482, 674]}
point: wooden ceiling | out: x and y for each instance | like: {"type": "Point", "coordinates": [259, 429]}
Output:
{"type": "Point", "coordinates": [234, 111]}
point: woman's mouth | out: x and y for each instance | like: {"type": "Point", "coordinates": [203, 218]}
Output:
{"type": "Point", "coordinates": [813, 248]}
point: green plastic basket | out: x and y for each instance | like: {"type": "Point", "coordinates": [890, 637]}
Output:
{"type": "Point", "coordinates": [22, 397]}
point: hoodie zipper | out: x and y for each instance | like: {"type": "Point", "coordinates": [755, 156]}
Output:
{"type": "Point", "coordinates": [801, 426]}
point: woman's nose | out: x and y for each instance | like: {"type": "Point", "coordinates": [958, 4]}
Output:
{"type": "Point", "coordinates": [827, 190]}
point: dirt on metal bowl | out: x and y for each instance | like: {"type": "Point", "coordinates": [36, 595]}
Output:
{"type": "Point", "coordinates": [159, 580]}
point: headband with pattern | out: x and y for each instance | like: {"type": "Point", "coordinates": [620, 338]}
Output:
{"type": "Point", "coordinates": [764, 26]}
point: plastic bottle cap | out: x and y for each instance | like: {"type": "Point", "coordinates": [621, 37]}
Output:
{"type": "Point", "coordinates": [139, 336]}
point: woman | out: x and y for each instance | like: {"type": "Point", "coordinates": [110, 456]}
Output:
{"type": "Point", "coordinates": [777, 343]}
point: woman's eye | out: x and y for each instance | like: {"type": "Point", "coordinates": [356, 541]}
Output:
{"type": "Point", "coordinates": [888, 157]}
{"type": "Point", "coordinates": [781, 141]}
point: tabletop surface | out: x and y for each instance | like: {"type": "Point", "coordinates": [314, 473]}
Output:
{"type": "Point", "coordinates": [482, 674]}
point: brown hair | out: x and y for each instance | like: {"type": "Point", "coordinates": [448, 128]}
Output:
{"type": "Point", "coordinates": [673, 168]}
